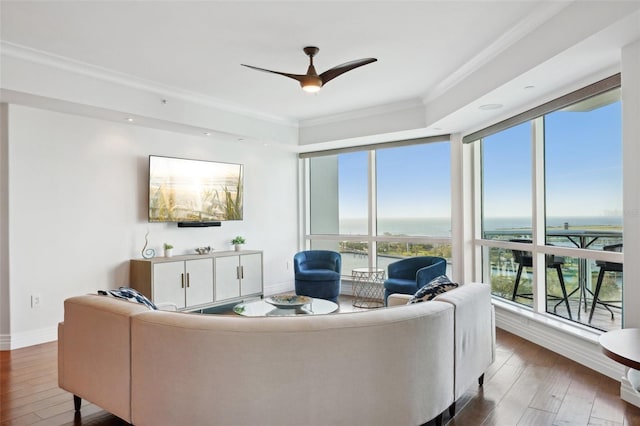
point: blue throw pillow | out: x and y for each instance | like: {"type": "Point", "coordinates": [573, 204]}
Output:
{"type": "Point", "coordinates": [433, 288]}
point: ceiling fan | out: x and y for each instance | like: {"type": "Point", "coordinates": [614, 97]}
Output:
{"type": "Point", "coordinates": [311, 81]}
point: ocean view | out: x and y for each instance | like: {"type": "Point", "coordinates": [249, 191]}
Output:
{"type": "Point", "coordinates": [498, 223]}
{"type": "Point", "coordinates": [441, 227]}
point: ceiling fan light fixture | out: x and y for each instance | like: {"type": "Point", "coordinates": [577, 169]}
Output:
{"type": "Point", "coordinates": [311, 86]}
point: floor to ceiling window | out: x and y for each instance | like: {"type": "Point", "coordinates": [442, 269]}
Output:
{"type": "Point", "coordinates": [551, 209]}
{"type": "Point", "coordinates": [506, 206]}
{"type": "Point", "coordinates": [583, 199]}
{"type": "Point", "coordinates": [381, 203]}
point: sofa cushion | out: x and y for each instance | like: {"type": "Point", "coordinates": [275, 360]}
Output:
{"type": "Point", "coordinates": [435, 287]}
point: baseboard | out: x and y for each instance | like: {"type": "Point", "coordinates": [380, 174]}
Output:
{"type": "Point", "coordinates": [560, 337]}
{"type": "Point", "coordinates": [5, 342]}
{"type": "Point", "coordinates": [628, 393]}
{"type": "Point", "coordinates": [29, 338]}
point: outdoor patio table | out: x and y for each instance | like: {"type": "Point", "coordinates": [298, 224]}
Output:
{"type": "Point", "coordinates": [583, 238]}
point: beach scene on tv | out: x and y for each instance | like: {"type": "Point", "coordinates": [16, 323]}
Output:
{"type": "Point", "coordinates": [182, 190]}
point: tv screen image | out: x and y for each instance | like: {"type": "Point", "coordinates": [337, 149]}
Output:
{"type": "Point", "coordinates": [190, 191]}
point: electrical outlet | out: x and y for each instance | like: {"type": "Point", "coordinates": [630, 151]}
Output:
{"type": "Point", "coordinates": [35, 300]}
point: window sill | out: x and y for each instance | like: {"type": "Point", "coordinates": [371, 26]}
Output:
{"type": "Point", "coordinates": [567, 338]}
{"type": "Point", "coordinates": [566, 326]}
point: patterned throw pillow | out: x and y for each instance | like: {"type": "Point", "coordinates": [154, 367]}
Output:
{"type": "Point", "coordinates": [435, 287]}
{"type": "Point", "coordinates": [131, 295]}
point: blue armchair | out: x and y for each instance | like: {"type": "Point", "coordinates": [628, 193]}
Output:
{"type": "Point", "coordinates": [407, 276]}
{"type": "Point", "coordinates": [317, 274]}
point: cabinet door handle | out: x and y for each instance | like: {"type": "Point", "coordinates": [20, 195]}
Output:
{"type": "Point", "coordinates": [188, 279]}
{"type": "Point", "coordinates": [242, 272]}
{"type": "Point", "coordinates": [181, 280]}
{"type": "Point", "coordinates": [237, 272]}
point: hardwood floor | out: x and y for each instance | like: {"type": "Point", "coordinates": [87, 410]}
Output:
{"type": "Point", "coordinates": [526, 385]}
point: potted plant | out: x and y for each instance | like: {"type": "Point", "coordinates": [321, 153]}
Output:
{"type": "Point", "coordinates": [168, 250]}
{"type": "Point", "coordinates": [238, 242]}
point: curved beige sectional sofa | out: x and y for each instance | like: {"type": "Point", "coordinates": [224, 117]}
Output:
{"type": "Point", "coordinates": [395, 366]}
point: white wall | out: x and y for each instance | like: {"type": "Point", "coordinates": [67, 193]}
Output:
{"type": "Point", "coordinates": [4, 224]}
{"type": "Point", "coordinates": [78, 205]}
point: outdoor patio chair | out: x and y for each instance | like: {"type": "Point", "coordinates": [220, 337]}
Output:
{"type": "Point", "coordinates": [525, 260]}
{"type": "Point", "coordinates": [604, 268]}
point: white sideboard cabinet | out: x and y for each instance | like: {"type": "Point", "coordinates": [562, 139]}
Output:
{"type": "Point", "coordinates": [198, 281]}
{"type": "Point", "coordinates": [237, 275]}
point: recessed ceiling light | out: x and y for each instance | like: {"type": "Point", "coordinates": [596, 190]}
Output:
{"type": "Point", "coordinates": [129, 119]}
{"type": "Point", "coordinates": [488, 107]}
{"type": "Point", "coordinates": [240, 139]}
{"type": "Point", "coordinates": [529, 87]}
{"type": "Point", "coordinates": [207, 134]}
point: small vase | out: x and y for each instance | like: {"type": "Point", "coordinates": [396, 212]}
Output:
{"type": "Point", "coordinates": [168, 252]}
{"type": "Point", "coordinates": [238, 247]}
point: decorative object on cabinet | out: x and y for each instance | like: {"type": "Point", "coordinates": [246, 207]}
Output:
{"type": "Point", "coordinates": [147, 253]}
{"type": "Point", "coordinates": [238, 242]}
{"type": "Point", "coordinates": [168, 250]}
{"type": "Point", "coordinates": [203, 250]}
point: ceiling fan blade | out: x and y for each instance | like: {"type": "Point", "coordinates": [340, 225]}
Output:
{"type": "Point", "coordinates": [297, 77]}
{"type": "Point", "coordinates": [334, 72]}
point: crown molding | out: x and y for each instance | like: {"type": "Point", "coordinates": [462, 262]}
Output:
{"type": "Point", "coordinates": [28, 54]}
{"type": "Point", "coordinates": [377, 110]}
{"type": "Point", "coordinates": [541, 14]}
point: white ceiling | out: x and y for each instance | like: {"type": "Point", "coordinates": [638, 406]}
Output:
{"type": "Point", "coordinates": [424, 48]}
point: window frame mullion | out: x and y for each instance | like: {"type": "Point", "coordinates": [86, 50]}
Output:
{"type": "Point", "coordinates": [538, 215]}
{"type": "Point", "coordinates": [373, 210]}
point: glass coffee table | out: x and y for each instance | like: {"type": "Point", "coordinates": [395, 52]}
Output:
{"type": "Point", "coordinates": [261, 308]}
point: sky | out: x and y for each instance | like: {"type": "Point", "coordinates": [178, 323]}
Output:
{"type": "Point", "coordinates": [583, 161]}
{"type": "Point", "coordinates": [412, 181]}
{"type": "Point", "coordinates": [583, 166]}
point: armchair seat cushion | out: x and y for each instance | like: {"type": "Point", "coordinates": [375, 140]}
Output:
{"type": "Point", "coordinates": [317, 275]}
{"type": "Point", "coordinates": [399, 285]}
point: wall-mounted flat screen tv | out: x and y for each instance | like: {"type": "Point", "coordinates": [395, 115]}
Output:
{"type": "Point", "coordinates": [194, 191]}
